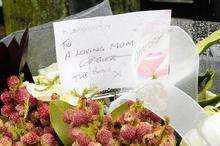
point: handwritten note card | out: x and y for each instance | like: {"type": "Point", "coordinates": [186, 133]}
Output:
{"type": "Point", "coordinates": [106, 51]}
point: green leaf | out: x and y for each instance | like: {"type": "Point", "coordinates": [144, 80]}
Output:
{"type": "Point", "coordinates": [4, 119]}
{"type": "Point", "coordinates": [101, 111]}
{"type": "Point", "coordinates": [217, 105]}
{"type": "Point", "coordinates": [91, 129]}
{"type": "Point", "coordinates": [57, 108]}
{"type": "Point", "coordinates": [75, 93]}
{"type": "Point", "coordinates": [119, 110]}
{"type": "Point", "coordinates": [19, 129]}
{"type": "Point", "coordinates": [93, 90]}
{"type": "Point", "coordinates": [212, 99]}
{"type": "Point", "coordinates": [205, 83]}
{"type": "Point", "coordinates": [212, 39]}
{"type": "Point", "coordinates": [167, 138]}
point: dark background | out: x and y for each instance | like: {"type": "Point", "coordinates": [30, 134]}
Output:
{"type": "Point", "coordinates": [208, 10]}
{"type": "Point", "coordinates": [198, 10]}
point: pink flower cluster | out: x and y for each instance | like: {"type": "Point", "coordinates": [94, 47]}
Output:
{"type": "Point", "coordinates": [28, 119]}
{"type": "Point", "coordinates": [137, 126]}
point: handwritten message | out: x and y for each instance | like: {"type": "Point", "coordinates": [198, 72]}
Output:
{"type": "Point", "coordinates": [100, 51]}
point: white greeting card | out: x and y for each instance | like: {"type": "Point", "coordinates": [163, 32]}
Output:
{"type": "Point", "coordinates": [112, 51]}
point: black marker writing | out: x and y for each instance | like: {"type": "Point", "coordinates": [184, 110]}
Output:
{"type": "Point", "coordinates": [67, 55]}
{"type": "Point", "coordinates": [79, 77]}
{"type": "Point", "coordinates": [119, 45]}
{"type": "Point", "coordinates": [66, 44]}
{"type": "Point", "coordinates": [89, 61]}
{"type": "Point", "coordinates": [97, 60]}
{"type": "Point", "coordinates": [90, 50]}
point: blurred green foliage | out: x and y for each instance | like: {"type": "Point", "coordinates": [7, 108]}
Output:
{"type": "Point", "coordinates": [123, 6]}
{"type": "Point", "coordinates": [18, 14]}
{"type": "Point", "coordinates": [80, 5]}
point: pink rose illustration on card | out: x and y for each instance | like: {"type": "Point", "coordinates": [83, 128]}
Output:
{"type": "Point", "coordinates": [153, 65]}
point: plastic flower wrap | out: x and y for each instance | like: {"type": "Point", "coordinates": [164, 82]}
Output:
{"type": "Point", "coordinates": [167, 100]}
{"type": "Point", "coordinates": [13, 59]}
{"type": "Point", "coordinates": [48, 83]}
{"type": "Point", "coordinates": [207, 135]}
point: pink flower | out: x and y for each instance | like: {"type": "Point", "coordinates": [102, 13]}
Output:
{"type": "Point", "coordinates": [151, 65]}
{"type": "Point", "coordinates": [5, 97]}
{"type": "Point", "coordinates": [22, 95]}
{"type": "Point", "coordinates": [13, 81]}
{"type": "Point", "coordinates": [30, 138]}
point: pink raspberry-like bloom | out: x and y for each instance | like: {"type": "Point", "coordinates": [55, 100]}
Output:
{"type": "Point", "coordinates": [146, 115]}
{"type": "Point", "coordinates": [94, 117]}
{"type": "Point", "coordinates": [43, 111]}
{"type": "Point", "coordinates": [143, 129]}
{"type": "Point", "coordinates": [94, 144]}
{"type": "Point", "coordinates": [13, 81]}
{"type": "Point", "coordinates": [48, 140]}
{"type": "Point", "coordinates": [6, 110]}
{"type": "Point", "coordinates": [80, 138]}
{"type": "Point", "coordinates": [155, 117]}
{"type": "Point", "coordinates": [128, 132]}
{"type": "Point", "coordinates": [14, 117]}
{"type": "Point", "coordinates": [22, 95]}
{"type": "Point", "coordinates": [18, 143]}
{"type": "Point", "coordinates": [5, 97]}
{"type": "Point", "coordinates": [107, 119]}
{"type": "Point", "coordinates": [8, 134]}
{"type": "Point", "coordinates": [48, 129]}
{"type": "Point", "coordinates": [68, 115]}
{"type": "Point", "coordinates": [77, 117]}
{"type": "Point", "coordinates": [5, 141]}
{"type": "Point", "coordinates": [30, 126]}
{"type": "Point", "coordinates": [33, 101]}
{"type": "Point", "coordinates": [143, 114]}
{"type": "Point", "coordinates": [104, 136]}
{"type": "Point", "coordinates": [93, 106]}
{"type": "Point", "coordinates": [30, 138]}
{"type": "Point", "coordinates": [38, 131]}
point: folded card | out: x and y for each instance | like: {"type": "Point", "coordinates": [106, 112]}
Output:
{"type": "Point", "coordinates": [113, 51]}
